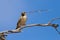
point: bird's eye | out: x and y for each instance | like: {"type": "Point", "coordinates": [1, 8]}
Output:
{"type": "Point", "coordinates": [22, 14]}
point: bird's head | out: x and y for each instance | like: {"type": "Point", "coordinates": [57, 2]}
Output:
{"type": "Point", "coordinates": [23, 13]}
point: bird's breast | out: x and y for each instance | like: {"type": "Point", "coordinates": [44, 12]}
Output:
{"type": "Point", "coordinates": [23, 20]}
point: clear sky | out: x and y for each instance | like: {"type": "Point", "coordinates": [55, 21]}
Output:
{"type": "Point", "coordinates": [10, 11]}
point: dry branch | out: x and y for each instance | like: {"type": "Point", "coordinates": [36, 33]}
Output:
{"type": "Point", "coordinates": [4, 33]}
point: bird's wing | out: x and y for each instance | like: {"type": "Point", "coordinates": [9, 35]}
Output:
{"type": "Point", "coordinates": [18, 24]}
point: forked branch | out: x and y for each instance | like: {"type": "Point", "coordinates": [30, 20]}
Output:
{"type": "Point", "coordinates": [4, 33]}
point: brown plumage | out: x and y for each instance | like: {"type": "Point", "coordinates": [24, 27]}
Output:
{"type": "Point", "coordinates": [22, 20]}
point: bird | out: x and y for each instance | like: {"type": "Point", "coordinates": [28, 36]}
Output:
{"type": "Point", "coordinates": [22, 20]}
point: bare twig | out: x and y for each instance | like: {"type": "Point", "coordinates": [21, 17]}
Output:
{"type": "Point", "coordinates": [2, 36]}
{"type": "Point", "coordinates": [54, 25]}
{"type": "Point", "coordinates": [53, 20]}
{"type": "Point", "coordinates": [37, 11]}
{"type": "Point", "coordinates": [30, 25]}
{"type": "Point", "coordinates": [4, 33]}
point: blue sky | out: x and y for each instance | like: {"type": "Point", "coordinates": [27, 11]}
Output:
{"type": "Point", "coordinates": [10, 11]}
